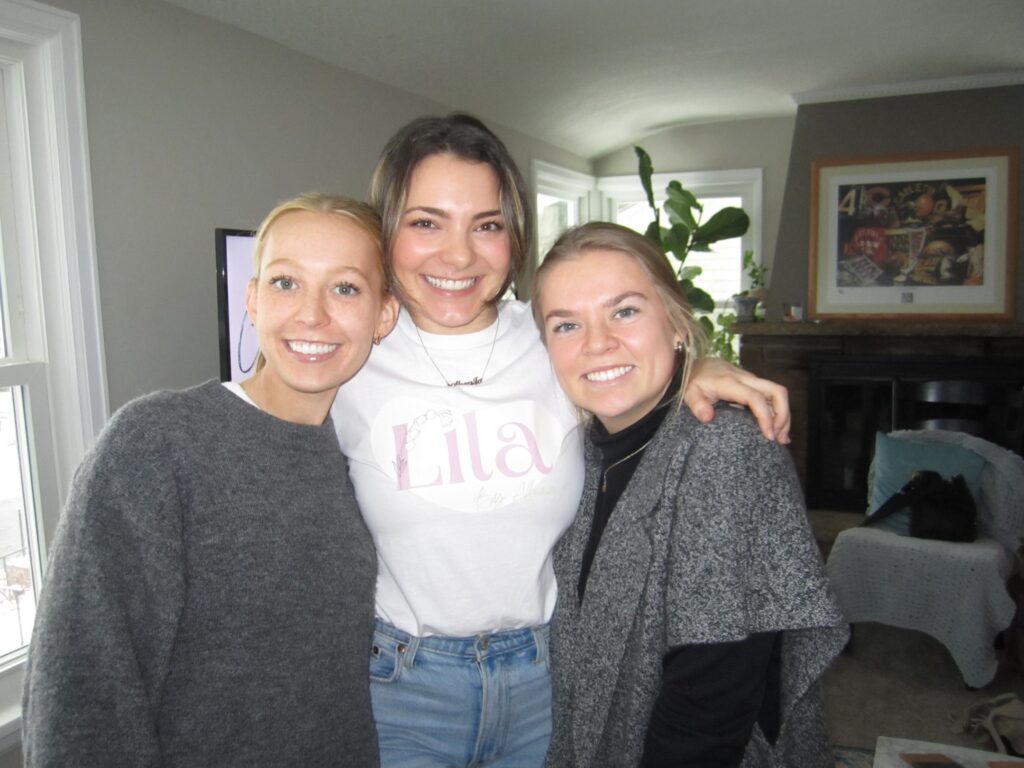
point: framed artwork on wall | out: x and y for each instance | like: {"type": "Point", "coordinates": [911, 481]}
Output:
{"type": "Point", "coordinates": [920, 236]}
{"type": "Point", "coordinates": [238, 343]}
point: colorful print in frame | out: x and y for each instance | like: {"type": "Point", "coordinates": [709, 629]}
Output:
{"type": "Point", "coordinates": [926, 236]}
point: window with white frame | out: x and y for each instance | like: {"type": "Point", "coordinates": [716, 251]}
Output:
{"type": "Point", "coordinates": [722, 268]}
{"type": "Point", "coordinates": [21, 464]}
{"type": "Point", "coordinates": [566, 198]}
{"type": "Point", "coordinates": [53, 396]}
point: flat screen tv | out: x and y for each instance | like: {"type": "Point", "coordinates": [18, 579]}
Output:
{"type": "Point", "coordinates": [238, 343]}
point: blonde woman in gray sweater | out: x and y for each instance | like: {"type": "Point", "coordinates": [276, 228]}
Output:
{"type": "Point", "coordinates": [209, 598]}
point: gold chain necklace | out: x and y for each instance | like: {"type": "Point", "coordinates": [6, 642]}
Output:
{"type": "Point", "coordinates": [610, 467]}
{"type": "Point", "coordinates": [459, 383]}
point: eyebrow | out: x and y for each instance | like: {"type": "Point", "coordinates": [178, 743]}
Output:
{"type": "Point", "coordinates": [622, 297]}
{"type": "Point", "coordinates": [444, 214]}
{"type": "Point", "coordinates": [612, 302]}
{"type": "Point", "coordinates": [285, 262]}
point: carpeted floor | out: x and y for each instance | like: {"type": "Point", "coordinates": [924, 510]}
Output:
{"type": "Point", "coordinates": [896, 682]}
{"type": "Point", "coordinates": [854, 757]}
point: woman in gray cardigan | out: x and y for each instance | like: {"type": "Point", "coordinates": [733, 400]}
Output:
{"type": "Point", "coordinates": [694, 620]}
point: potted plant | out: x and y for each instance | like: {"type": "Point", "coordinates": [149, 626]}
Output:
{"type": "Point", "coordinates": [746, 301]}
{"type": "Point", "coordinates": [687, 232]}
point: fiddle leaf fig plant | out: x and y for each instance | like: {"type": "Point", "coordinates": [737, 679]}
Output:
{"type": "Point", "coordinates": [686, 231]}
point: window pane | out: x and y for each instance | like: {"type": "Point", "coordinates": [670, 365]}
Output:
{"type": "Point", "coordinates": [554, 216]}
{"type": "Point", "coordinates": [17, 593]}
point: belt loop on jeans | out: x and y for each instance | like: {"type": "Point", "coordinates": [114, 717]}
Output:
{"type": "Point", "coordinates": [409, 653]}
{"type": "Point", "coordinates": [540, 638]}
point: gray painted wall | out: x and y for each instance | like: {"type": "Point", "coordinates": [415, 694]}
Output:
{"type": "Point", "coordinates": [986, 117]}
{"type": "Point", "coordinates": [762, 143]}
{"type": "Point", "coordinates": [195, 125]}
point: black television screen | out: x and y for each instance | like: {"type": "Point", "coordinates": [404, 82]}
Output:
{"type": "Point", "coordinates": [238, 343]}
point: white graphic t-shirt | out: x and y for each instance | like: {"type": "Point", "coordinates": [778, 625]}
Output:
{"type": "Point", "coordinates": [465, 489]}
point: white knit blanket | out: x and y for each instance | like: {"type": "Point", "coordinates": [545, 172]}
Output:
{"type": "Point", "coordinates": [954, 592]}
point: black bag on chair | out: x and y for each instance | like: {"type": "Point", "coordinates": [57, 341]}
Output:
{"type": "Point", "coordinates": [939, 508]}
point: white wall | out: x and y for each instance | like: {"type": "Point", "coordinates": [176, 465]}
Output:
{"type": "Point", "coordinates": [195, 125]}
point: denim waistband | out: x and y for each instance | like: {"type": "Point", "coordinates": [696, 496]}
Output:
{"type": "Point", "coordinates": [472, 646]}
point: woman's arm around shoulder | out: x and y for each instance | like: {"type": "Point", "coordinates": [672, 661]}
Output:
{"type": "Point", "coordinates": [715, 381]}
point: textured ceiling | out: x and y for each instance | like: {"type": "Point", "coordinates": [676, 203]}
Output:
{"type": "Point", "coordinates": [591, 76]}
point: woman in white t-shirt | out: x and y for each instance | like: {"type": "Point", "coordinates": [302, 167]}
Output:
{"type": "Point", "coordinates": [467, 460]}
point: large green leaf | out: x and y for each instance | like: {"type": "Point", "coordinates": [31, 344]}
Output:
{"type": "Point", "coordinates": [646, 171]}
{"type": "Point", "coordinates": [727, 223]}
{"type": "Point", "coordinates": [698, 299]}
{"type": "Point", "coordinates": [677, 241]}
{"type": "Point", "coordinates": [701, 301]}
{"type": "Point", "coordinates": [680, 205]}
{"type": "Point", "coordinates": [689, 273]}
{"type": "Point", "coordinates": [677, 191]}
{"type": "Point", "coordinates": [653, 234]}
{"type": "Point", "coordinates": [707, 325]}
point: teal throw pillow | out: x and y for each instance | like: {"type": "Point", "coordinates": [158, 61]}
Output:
{"type": "Point", "coordinates": [897, 458]}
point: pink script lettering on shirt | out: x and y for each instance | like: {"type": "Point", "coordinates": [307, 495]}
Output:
{"type": "Point", "coordinates": [517, 436]}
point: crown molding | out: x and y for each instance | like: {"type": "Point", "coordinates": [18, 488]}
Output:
{"type": "Point", "coordinates": [853, 93]}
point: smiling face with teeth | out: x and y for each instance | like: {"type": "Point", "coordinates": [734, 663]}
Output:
{"type": "Point", "coordinates": [317, 303]}
{"type": "Point", "coordinates": [451, 252]}
{"type": "Point", "coordinates": [608, 335]}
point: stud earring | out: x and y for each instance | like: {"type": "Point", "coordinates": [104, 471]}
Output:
{"type": "Point", "coordinates": [376, 341]}
{"type": "Point", "coordinates": [679, 348]}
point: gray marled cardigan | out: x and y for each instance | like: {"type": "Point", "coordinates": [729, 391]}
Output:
{"type": "Point", "coordinates": [708, 543]}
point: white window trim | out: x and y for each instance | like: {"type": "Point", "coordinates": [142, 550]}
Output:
{"type": "Point", "coordinates": [58, 244]}
{"type": "Point", "coordinates": [549, 179]}
{"type": "Point", "coordinates": [65, 248]}
{"type": "Point", "coordinates": [553, 180]}
{"type": "Point", "coordinates": [746, 183]}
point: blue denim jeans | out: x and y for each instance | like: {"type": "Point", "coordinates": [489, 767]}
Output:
{"type": "Point", "coordinates": [461, 701]}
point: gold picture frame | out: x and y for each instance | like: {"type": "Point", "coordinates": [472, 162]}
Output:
{"type": "Point", "coordinates": [923, 236]}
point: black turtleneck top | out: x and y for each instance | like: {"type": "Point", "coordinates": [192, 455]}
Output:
{"type": "Point", "coordinates": [712, 694]}
{"type": "Point", "coordinates": [620, 455]}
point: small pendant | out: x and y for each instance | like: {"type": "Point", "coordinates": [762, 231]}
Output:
{"type": "Point", "coordinates": [471, 383]}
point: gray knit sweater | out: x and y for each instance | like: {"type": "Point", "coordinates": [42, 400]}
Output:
{"type": "Point", "coordinates": [209, 599]}
{"type": "Point", "coordinates": [708, 543]}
